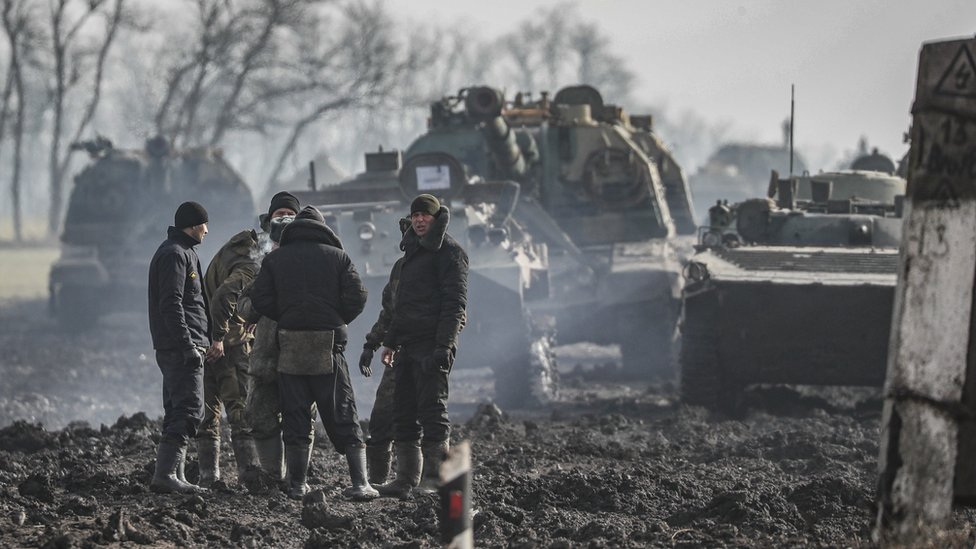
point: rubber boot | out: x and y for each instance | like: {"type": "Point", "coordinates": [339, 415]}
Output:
{"type": "Point", "coordinates": [434, 454]}
{"type": "Point", "coordinates": [181, 464]}
{"type": "Point", "coordinates": [165, 479]}
{"type": "Point", "coordinates": [360, 489]}
{"type": "Point", "coordinates": [269, 455]}
{"type": "Point", "coordinates": [245, 454]}
{"type": "Point", "coordinates": [297, 458]}
{"type": "Point", "coordinates": [407, 471]}
{"type": "Point", "coordinates": [378, 458]}
{"type": "Point", "coordinates": [208, 455]}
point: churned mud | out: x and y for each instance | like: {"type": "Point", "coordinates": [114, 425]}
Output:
{"type": "Point", "coordinates": [613, 464]}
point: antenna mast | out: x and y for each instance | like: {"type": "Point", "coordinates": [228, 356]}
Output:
{"type": "Point", "coordinates": [792, 102]}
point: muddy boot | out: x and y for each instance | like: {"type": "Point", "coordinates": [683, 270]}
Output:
{"type": "Point", "coordinates": [165, 479]}
{"type": "Point", "coordinates": [378, 459]}
{"type": "Point", "coordinates": [297, 458]}
{"type": "Point", "coordinates": [360, 489]}
{"type": "Point", "coordinates": [269, 455]}
{"type": "Point", "coordinates": [434, 454]}
{"type": "Point", "coordinates": [208, 455]}
{"type": "Point", "coordinates": [245, 454]}
{"type": "Point", "coordinates": [407, 471]}
{"type": "Point", "coordinates": [181, 464]}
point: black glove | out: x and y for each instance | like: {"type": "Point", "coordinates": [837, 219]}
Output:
{"type": "Point", "coordinates": [443, 358]}
{"type": "Point", "coordinates": [192, 358]}
{"type": "Point", "coordinates": [364, 360]}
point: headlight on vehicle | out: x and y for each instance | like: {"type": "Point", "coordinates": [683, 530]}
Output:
{"type": "Point", "coordinates": [712, 239]}
{"type": "Point", "coordinates": [696, 271]}
{"type": "Point", "coordinates": [367, 231]}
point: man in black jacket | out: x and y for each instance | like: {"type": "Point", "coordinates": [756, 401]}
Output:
{"type": "Point", "coordinates": [310, 287]}
{"type": "Point", "coordinates": [428, 312]}
{"type": "Point", "coordinates": [180, 325]}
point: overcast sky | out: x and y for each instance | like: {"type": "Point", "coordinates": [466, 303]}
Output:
{"type": "Point", "coordinates": [853, 62]}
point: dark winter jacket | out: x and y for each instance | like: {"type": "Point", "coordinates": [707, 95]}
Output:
{"type": "Point", "coordinates": [431, 295]}
{"type": "Point", "coordinates": [308, 283]}
{"type": "Point", "coordinates": [231, 270]}
{"type": "Point", "coordinates": [178, 314]}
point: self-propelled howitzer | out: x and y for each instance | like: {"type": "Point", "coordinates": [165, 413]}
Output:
{"type": "Point", "coordinates": [593, 193]}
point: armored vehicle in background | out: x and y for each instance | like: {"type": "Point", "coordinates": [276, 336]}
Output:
{"type": "Point", "coordinates": [739, 171]}
{"type": "Point", "coordinates": [795, 290]}
{"type": "Point", "coordinates": [508, 271]}
{"type": "Point", "coordinates": [600, 191]}
{"type": "Point", "coordinates": [119, 209]}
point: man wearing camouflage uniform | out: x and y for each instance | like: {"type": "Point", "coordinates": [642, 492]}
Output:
{"type": "Point", "coordinates": [428, 312]}
{"type": "Point", "coordinates": [379, 445]}
{"type": "Point", "coordinates": [225, 374]}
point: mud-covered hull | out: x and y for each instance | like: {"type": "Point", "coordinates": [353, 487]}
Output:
{"type": "Point", "coordinates": [785, 315]}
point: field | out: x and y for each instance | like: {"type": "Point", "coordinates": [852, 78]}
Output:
{"type": "Point", "coordinates": [24, 271]}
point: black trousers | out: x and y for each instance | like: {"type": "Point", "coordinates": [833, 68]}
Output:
{"type": "Point", "coordinates": [182, 397]}
{"type": "Point", "coordinates": [420, 396]}
{"type": "Point", "coordinates": [332, 394]}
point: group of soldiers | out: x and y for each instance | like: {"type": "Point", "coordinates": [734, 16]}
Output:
{"type": "Point", "coordinates": [262, 336]}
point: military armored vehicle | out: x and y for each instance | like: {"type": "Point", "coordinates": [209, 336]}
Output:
{"type": "Point", "coordinates": [117, 215]}
{"type": "Point", "coordinates": [739, 171]}
{"type": "Point", "coordinates": [508, 271]}
{"type": "Point", "coordinates": [600, 191]}
{"type": "Point", "coordinates": [795, 290]}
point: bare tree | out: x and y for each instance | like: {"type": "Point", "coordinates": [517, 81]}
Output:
{"type": "Point", "coordinates": [77, 62]}
{"type": "Point", "coordinates": [16, 18]}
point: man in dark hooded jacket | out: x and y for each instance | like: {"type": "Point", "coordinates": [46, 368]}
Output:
{"type": "Point", "coordinates": [310, 287]}
{"type": "Point", "coordinates": [179, 322]}
{"type": "Point", "coordinates": [428, 312]}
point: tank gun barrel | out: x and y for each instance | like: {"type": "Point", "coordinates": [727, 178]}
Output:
{"type": "Point", "coordinates": [485, 104]}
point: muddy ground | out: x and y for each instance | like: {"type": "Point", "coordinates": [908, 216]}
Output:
{"type": "Point", "coordinates": [614, 464]}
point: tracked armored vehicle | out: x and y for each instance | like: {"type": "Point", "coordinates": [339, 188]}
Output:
{"type": "Point", "coordinates": [796, 290]}
{"type": "Point", "coordinates": [118, 211]}
{"type": "Point", "coordinates": [508, 271]}
{"type": "Point", "coordinates": [600, 191]}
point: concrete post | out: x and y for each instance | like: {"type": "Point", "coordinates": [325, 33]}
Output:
{"type": "Point", "coordinates": [925, 390]}
{"type": "Point", "coordinates": [455, 495]}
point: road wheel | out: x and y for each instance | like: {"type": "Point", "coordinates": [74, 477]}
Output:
{"type": "Point", "coordinates": [703, 381]}
{"type": "Point", "coordinates": [529, 378]}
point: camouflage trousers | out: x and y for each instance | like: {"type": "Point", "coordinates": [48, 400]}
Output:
{"type": "Point", "coordinates": [225, 384]}
{"type": "Point", "coordinates": [263, 411]}
{"type": "Point", "coordinates": [381, 418]}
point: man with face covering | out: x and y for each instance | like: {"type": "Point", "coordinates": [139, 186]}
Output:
{"type": "Point", "coordinates": [427, 313]}
{"type": "Point", "coordinates": [179, 322]}
{"type": "Point", "coordinates": [261, 407]}
{"type": "Point", "coordinates": [310, 287]}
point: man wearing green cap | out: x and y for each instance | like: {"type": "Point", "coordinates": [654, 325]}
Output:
{"type": "Point", "coordinates": [426, 312]}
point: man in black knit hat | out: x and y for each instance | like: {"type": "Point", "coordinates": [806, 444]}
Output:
{"type": "Point", "coordinates": [179, 322]}
{"type": "Point", "coordinates": [425, 304]}
{"type": "Point", "coordinates": [310, 287]}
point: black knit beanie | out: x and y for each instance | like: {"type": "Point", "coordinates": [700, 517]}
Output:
{"type": "Point", "coordinates": [311, 212]}
{"type": "Point", "coordinates": [426, 203]}
{"type": "Point", "coordinates": [190, 214]}
{"type": "Point", "coordinates": [284, 199]}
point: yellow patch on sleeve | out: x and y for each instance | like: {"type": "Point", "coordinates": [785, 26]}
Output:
{"type": "Point", "coordinates": [193, 274]}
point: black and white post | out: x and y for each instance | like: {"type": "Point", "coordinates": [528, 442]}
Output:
{"type": "Point", "coordinates": [455, 494]}
{"type": "Point", "coordinates": [930, 386]}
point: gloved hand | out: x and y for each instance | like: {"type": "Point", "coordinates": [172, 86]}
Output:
{"type": "Point", "coordinates": [192, 358]}
{"type": "Point", "coordinates": [364, 360]}
{"type": "Point", "coordinates": [443, 358]}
